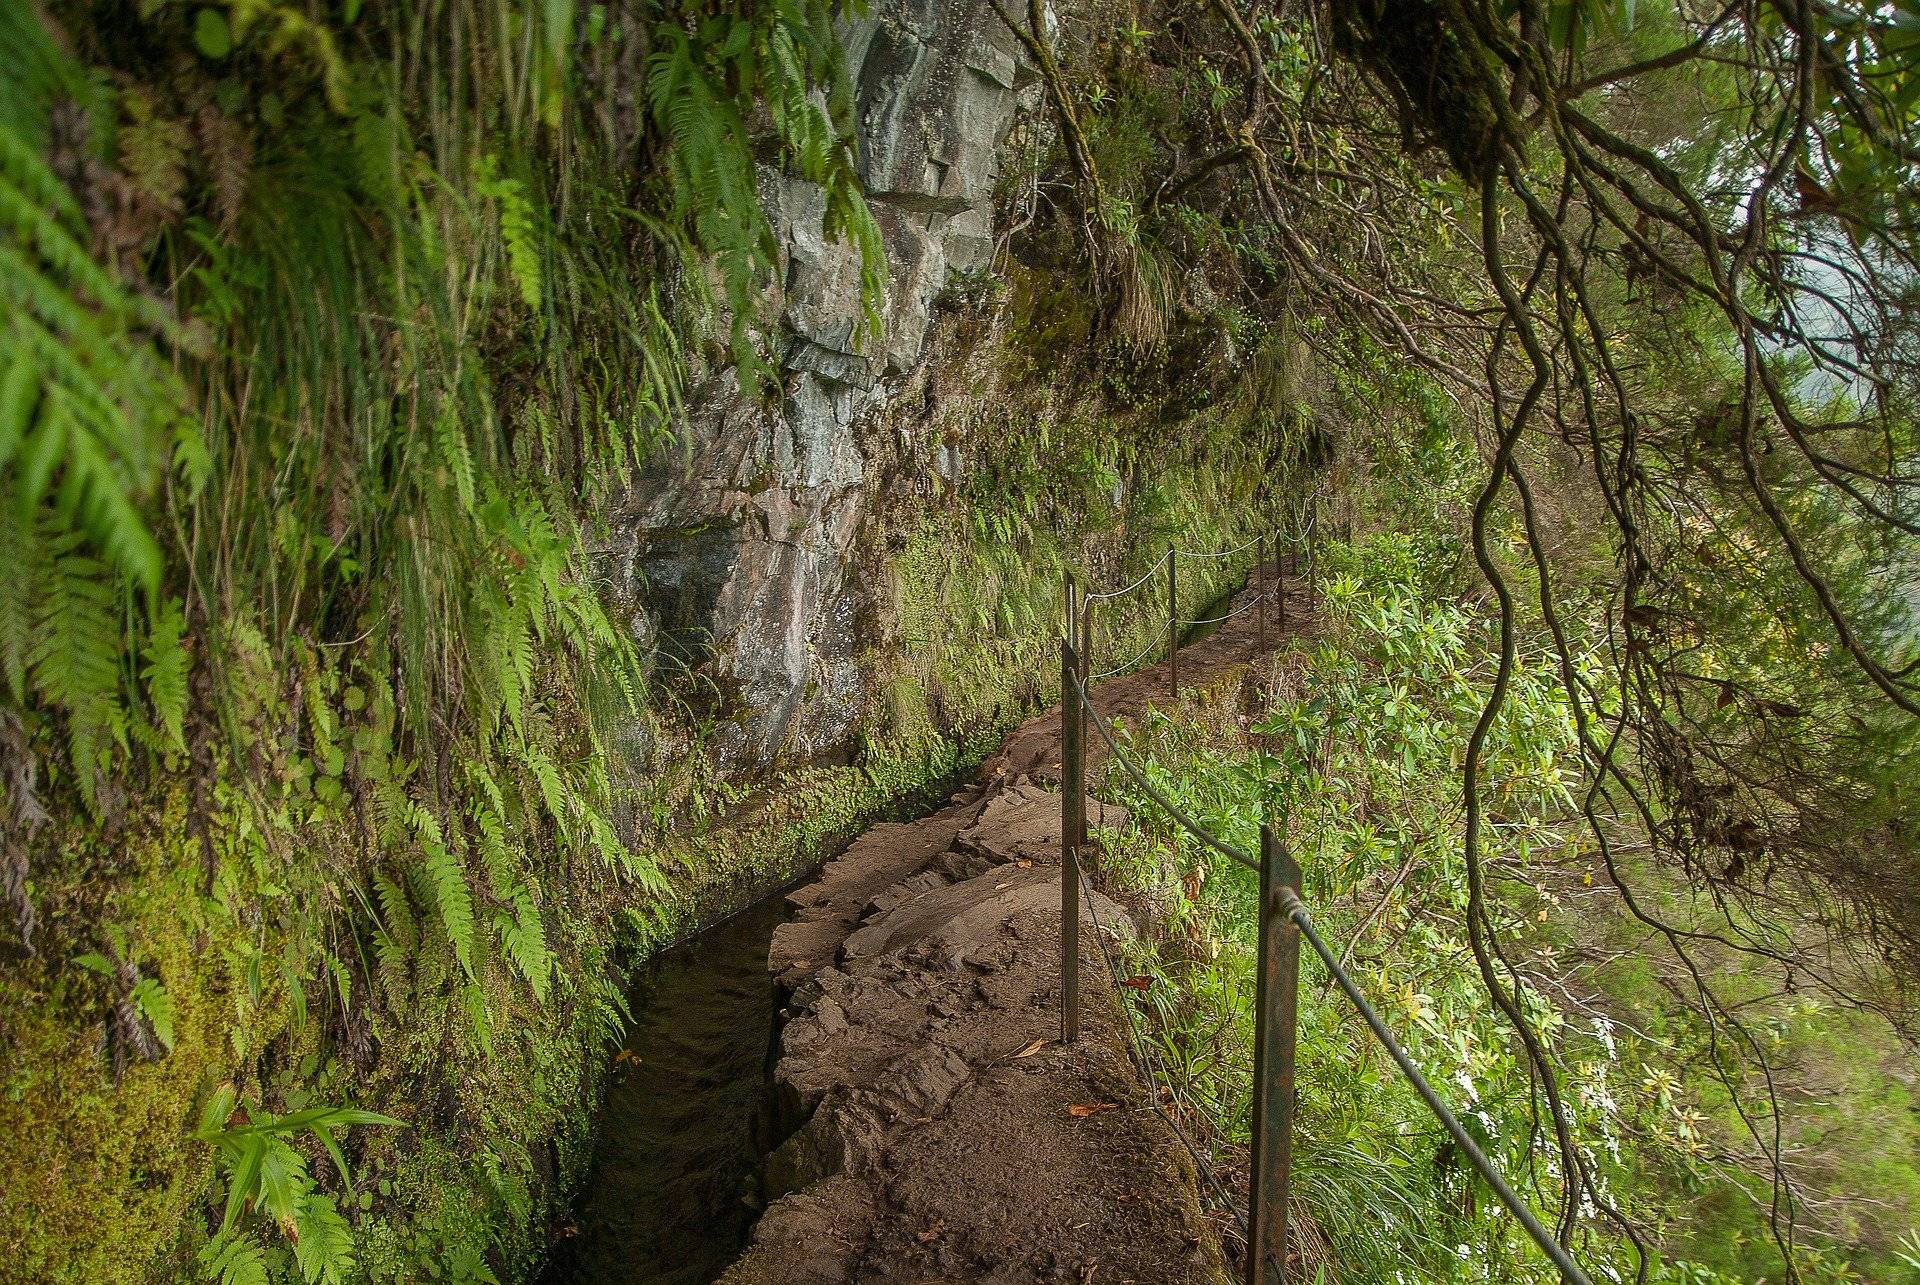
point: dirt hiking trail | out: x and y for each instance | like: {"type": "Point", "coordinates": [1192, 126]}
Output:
{"type": "Point", "coordinates": [941, 1131]}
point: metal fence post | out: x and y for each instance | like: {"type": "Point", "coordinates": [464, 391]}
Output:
{"type": "Point", "coordinates": [1072, 800]}
{"type": "Point", "coordinates": [1313, 556]}
{"type": "Point", "coordinates": [1085, 659]}
{"type": "Point", "coordinates": [1276, 1013]}
{"type": "Point", "coordinates": [1173, 622]}
{"type": "Point", "coordinates": [1260, 589]}
{"type": "Point", "coordinates": [1280, 579]}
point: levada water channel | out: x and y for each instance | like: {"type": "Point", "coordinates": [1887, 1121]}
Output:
{"type": "Point", "coordinates": [673, 1188]}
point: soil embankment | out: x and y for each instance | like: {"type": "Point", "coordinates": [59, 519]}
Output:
{"type": "Point", "coordinates": [943, 1132]}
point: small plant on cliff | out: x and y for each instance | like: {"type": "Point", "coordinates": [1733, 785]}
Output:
{"type": "Point", "coordinates": [269, 1184]}
{"type": "Point", "coordinates": [140, 1021]}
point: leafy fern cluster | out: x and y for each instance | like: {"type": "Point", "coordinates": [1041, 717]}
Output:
{"type": "Point", "coordinates": [323, 340]}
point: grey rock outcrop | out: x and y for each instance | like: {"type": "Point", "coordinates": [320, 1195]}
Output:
{"type": "Point", "coordinates": [739, 543]}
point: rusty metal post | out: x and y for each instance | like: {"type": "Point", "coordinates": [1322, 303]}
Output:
{"type": "Point", "coordinates": [1276, 1014]}
{"type": "Point", "coordinates": [1085, 655]}
{"type": "Point", "coordinates": [1086, 663]}
{"type": "Point", "coordinates": [1260, 589]}
{"type": "Point", "coordinates": [1280, 585]}
{"type": "Point", "coordinates": [1072, 822]}
{"type": "Point", "coordinates": [1085, 712]}
{"type": "Point", "coordinates": [1173, 622]}
{"type": "Point", "coordinates": [1313, 555]}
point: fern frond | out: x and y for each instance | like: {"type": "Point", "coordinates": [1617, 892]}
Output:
{"type": "Point", "coordinates": [19, 553]}
{"type": "Point", "coordinates": [452, 899]}
{"type": "Point", "coordinates": [523, 937]}
{"type": "Point", "coordinates": [323, 1245]}
{"type": "Point", "coordinates": [234, 1260]}
{"type": "Point", "coordinates": [494, 852]}
{"type": "Point", "coordinates": [553, 788]}
{"type": "Point", "coordinates": [481, 777]}
{"type": "Point", "coordinates": [518, 227]}
{"type": "Point", "coordinates": [165, 673]}
{"type": "Point", "coordinates": [153, 149]}
{"type": "Point", "coordinates": [282, 1177]}
{"type": "Point", "coordinates": [397, 939]}
{"type": "Point", "coordinates": [151, 1001]}
{"type": "Point", "coordinates": [74, 659]}
{"type": "Point", "coordinates": [450, 443]}
{"type": "Point", "coordinates": [392, 811]}
{"type": "Point", "coordinates": [479, 1020]}
{"type": "Point", "coordinates": [515, 665]}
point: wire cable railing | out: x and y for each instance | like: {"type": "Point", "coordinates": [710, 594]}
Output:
{"type": "Point", "coordinates": [1152, 1071]}
{"type": "Point", "coordinates": [1265, 1221]}
{"type": "Point", "coordinates": [1148, 574]}
{"type": "Point", "coordinates": [1082, 601]}
{"type": "Point", "coordinates": [1142, 654]}
{"type": "Point", "coordinates": [1252, 601]}
{"type": "Point", "coordinates": [1296, 911]}
{"type": "Point", "coordinates": [1221, 553]}
{"type": "Point", "coordinates": [1148, 788]}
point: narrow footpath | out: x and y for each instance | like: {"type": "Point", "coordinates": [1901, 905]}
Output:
{"type": "Point", "coordinates": [941, 1132]}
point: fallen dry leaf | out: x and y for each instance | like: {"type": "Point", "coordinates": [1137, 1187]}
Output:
{"type": "Point", "coordinates": [1031, 1047]}
{"type": "Point", "coordinates": [1081, 1110]}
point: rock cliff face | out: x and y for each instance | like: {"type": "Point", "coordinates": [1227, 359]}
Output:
{"type": "Point", "coordinates": [739, 545]}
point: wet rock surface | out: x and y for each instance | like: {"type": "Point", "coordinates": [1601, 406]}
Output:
{"type": "Point", "coordinates": [934, 1135]}
{"type": "Point", "coordinates": [738, 544]}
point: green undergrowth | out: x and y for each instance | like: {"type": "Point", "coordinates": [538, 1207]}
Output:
{"type": "Point", "coordinates": [1097, 491]}
{"type": "Point", "coordinates": [1353, 750]}
{"type": "Point", "coordinates": [496, 1097]}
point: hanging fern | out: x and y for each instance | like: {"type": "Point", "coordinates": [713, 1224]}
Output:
{"type": "Point", "coordinates": [523, 935]}
{"type": "Point", "coordinates": [697, 77]}
{"type": "Point", "coordinates": [452, 899]}
{"type": "Point", "coordinates": [518, 923]}
{"type": "Point", "coordinates": [395, 941]}
{"type": "Point", "coordinates": [74, 656]}
{"type": "Point", "coordinates": [300, 411]}
{"type": "Point", "coordinates": [517, 228]}
{"type": "Point", "coordinates": [234, 1260]}
{"type": "Point", "coordinates": [84, 407]}
{"type": "Point", "coordinates": [323, 1243]}
{"type": "Point", "coordinates": [165, 673]}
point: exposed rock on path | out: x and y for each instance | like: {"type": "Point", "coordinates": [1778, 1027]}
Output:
{"type": "Point", "coordinates": [943, 1134]}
